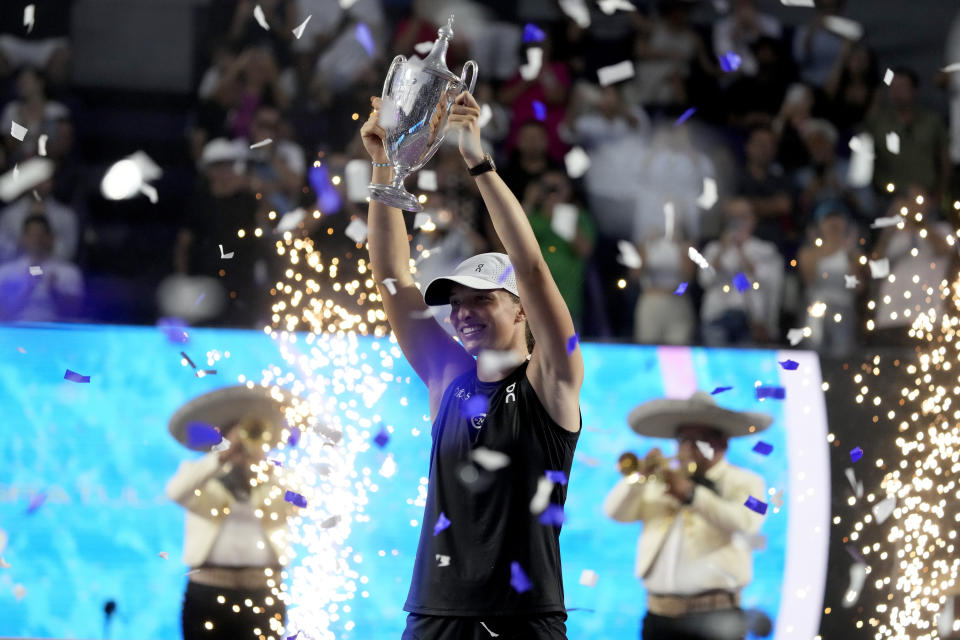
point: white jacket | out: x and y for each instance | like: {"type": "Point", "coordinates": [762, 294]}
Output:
{"type": "Point", "coordinates": [711, 521]}
{"type": "Point", "coordinates": [196, 487]}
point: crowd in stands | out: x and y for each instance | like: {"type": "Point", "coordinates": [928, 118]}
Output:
{"type": "Point", "coordinates": [738, 140]}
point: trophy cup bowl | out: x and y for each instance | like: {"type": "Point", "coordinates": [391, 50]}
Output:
{"type": "Point", "coordinates": [416, 100]}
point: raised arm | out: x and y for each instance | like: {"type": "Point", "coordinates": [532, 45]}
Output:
{"type": "Point", "coordinates": [434, 355]}
{"type": "Point", "coordinates": [555, 372]}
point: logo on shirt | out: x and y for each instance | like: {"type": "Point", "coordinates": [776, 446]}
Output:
{"type": "Point", "coordinates": [510, 394]}
{"type": "Point", "coordinates": [479, 420]}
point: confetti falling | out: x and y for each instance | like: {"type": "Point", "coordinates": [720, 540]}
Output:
{"type": "Point", "coordinates": [295, 499]}
{"type": "Point", "coordinates": [17, 130]}
{"type": "Point", "coordinates": [506, 274]}
{"type": "Point", "coordinates": [686, 115]}
{"type": "Point", "coordinates": [588, 578]}
{"type": "Point", "coordinates": [531, 68]}
{"type": "Point", "coordinates": [518, 578]}
{"type": "Point", "coordinates": [577, 162]}
{"type": "Point", "coordinates": [756, 505]}
{"type": "Point", "coordinates": [201, 434]}
{"type": "Point", "coordinates": [442, 523]}
{"type": "Point", "coordinates": [741, 282]}
{"type": "Point", "coordinates": [615, 73]}
{"type": "Point", "coordinates": [720, 390]}
{"type": "Point", "coordinates": [164, 555]}
{"type": "Point", "coordinates": [763, 448]}
{"type": "Point", "coordinates": [365, 38]}
{"type": "Point", "coordinates": [730, 62]}
{"type": "Point", "coordinates": [789, 365]}
{"type": "Point", "coordinates": [73, 376]}
{"type": "Point", "coordinates": [855, 454]}
{"type": "Point", "coordinates": [773, 392]}
{"type": "Point", "coordinates": [533, 33]}
{"type": "Point", "coordinates": [552, 516]}
{"type": "Point", "coordinates": [29, 16]}
{"type": "Point", "coordinates": [298, 30]}
{"type": "Point", "coordinates": [294, 438]}
{"type": "Point", "coordinates": [539, 110]}
{"type": "Point", "coordinates": [263, 143]}
{"type": "Point", "coordinates": [556, 477]}
{"type": "Point", "coordinates": [382, 437]}
{"type": "Point", "coordinates": [261, 19]}
{"type": "Point", "coordinates": [572, 343]}
{"type": "Point", "coordinates": [681, 289]}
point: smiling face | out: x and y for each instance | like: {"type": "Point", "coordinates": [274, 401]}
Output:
{"type": "Point", "coordinates": [487, 320]}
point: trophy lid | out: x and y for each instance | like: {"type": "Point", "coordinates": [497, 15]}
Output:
{"type": "Point", "coordinates": [436, 60]}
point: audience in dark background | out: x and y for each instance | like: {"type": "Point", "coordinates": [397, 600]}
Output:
{"type": "Point", "coordinates": [274, 121]}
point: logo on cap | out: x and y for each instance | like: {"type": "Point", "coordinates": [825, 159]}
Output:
{"type": "Point", "coordinates": [479, 268]}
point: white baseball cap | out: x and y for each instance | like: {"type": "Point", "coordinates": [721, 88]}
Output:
{"type": "Point", "coordinates": [484, 271]}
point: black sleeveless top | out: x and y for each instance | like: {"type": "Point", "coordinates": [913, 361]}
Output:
{"type": "Point", "coordinates": [465, 568]}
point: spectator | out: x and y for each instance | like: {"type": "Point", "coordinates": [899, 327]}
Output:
{"type": "Point", "coordinates": [754, 100]}
{"type": "Point", "coordinates": [662, 315]}
{"type": "Point", "coordinates": [566, 244]}
{"type": "Point", "coordinates": [825, 263]}
{"type": "Point", "coordinates": [920, 257]}
{"type": "Point", "coordinates": [816, 48]}
{"type": "Point", "coordinates": [796, 112]}
{"type": "Point", "coordinates": [542, 97]}
{"type": "Point", "coordinates": [344, 64]}
{"type": "Point", "coordinates": [736, 32]}
{"type": "Point", "coordinates": [244, 30]}
{"type": "Point", "coordinates": [43, 118]}
{"type": "Point", "coordinates": [61, 219]}
{"type": "Point", "coordinates": [767, 189]}
{"type": "Point", "coordinates": [45, 46]}
{"type": "Point", "coordinates": [36, 286]}
{"type": "Point", "coordinates": [664, 54]}
{"type": "Point", "coordinates": [277, 169]}
{"type": "Point", "coordinates": [495, 38]}
{"type": "Point", "coordinates": [729, 316]}
{"type": "Point", "coordinates": [852, 87]}
{"type": "Point", "coordinates": [922, 159]}
{"type": "Point", "coordinates": [825, 178]}
{"type": "Point", "coordinates": [529, 159]}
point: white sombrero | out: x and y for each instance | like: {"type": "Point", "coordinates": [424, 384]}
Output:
{"type": "Point", "coordinates": [224, 408]}
{"type": "Point", "coordinates": [662, 417]}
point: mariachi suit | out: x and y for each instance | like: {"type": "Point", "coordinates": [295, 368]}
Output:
{"type": "Point", "coordinates": [714, 558]}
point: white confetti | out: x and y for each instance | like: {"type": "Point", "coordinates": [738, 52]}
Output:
{"type": "Point", "coordinates": [705, 449]}
{"type": "Point", "coordinates": [260, 17]}
{"type": "Point", "coordinates": [879, 268]}
{"type": "Point", "coordinates": [888, 77]}
{"type": "Point", "coordinates": [588, 578]}
{"type": "Point", "coordinates": [346, 4]}
{"type": "Point", "coordinates": [492, 634]}
{"type": "Point", "coordinates": [357, 175]}
{"type": "Point", "coordinates": [492, 363]}
{"type": "Point", "coordinates": [18, 180]}
{"type": "Point", "coordinates": [357, 230]}
{"type": "Point", "coordinates": [629, 256]}
{"type": "Point", "coordinates": [389, 467]}
{"type": "Point", "coordinates": [486, 113]}
{"type": "Point", "coordinates": [388, 113]}
{"type": "Point", "coordinates": [531, 69]}
{"type": "Point", "coordinates": [860, 173]}
{"type": "Point", "coordinates": [709, 196]}
{"type": "Point", "coordinates": [890, 221]}
{"type": "Point", "coordinates": [443, 561]}
{"type": "Point", "coordinates": [577, 11]}
{"type": "Point", "coordinates": [850, 282]}
{"type": "Point", "coordinates": [29, 16]}
{"type": "Point", "coordinates": [298, 31]}
{"type": "Point", "coordinates": [42, 145]}
{"type": "Point", "coordinates": [390, 284]}
{"type": "Point", "coordinates": [151, 192]}
{"type": "Point", "coordinates": [423, 48]}
{"type": "Point", "coordinates": [669, 218]}
{"type": "Point", "coordinates": [36, 270]}
{"type": "Point", "coordinates": [577, 162]}
{"type": "Point", "coordinates": [563, 220]}
{"type": "Point", "coordinates": [858, 575]}
{"type": "Point", "coordinates": [615, 73]}
{"type": "Point", "coordinates": [755, 541]}
{"type": "Point", "coordinates": [223, 445]}
{"type": "Point", "coordinates": [796, 336]}
{"type": "Point", "coordinates": [777, 499]}
{"type": "Point", "coordinates": [36, 196]}
{"type": "Point", "coordinates": [893, 142]}
{"type": "Point", "coordinates": [330, 522]}
{"type": "Point", "coordinates": [697, 258]}
{"type": "Point", "coordinates": [164, 555]}
{"type": "Point", "coordinates": [843, 27]}
{"type": "Point", "coordinates": [290, 220]}
{"type": "Point", "coordinates": [423, 314]}
{"type": "Point", "coordinates": [610, 7]}
{"type": "Point", "coordinates": [489, 459]}
{"type": "Point", "coordinates": [224, 256]}
{"type": "Point", "coordinates": [883, 509]}
{"type": "Point", "coordinates": [17, 130]}
{"type": "Point", "coordinates": [427, 180]}
{"type": "Point", "coordinates": [855, 484]}
{"type": "Point", "coordinates": [262, 143]}
{"type": "Point", "coordinates": [421, 220]}
{"type": "Point", "coordinates": [541, 498]}
{"type": "Point", "coordinates": [798, 3]}
{"type": "Point", "coordinates": [950, 68]}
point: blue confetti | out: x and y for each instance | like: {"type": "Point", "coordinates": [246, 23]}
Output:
{"type": "Point", "coordinates": [295, 499]}
{"type": "Point", "coordinates": [382, 437]}
{"type": "Point", "coordinates": [552, 516]}
{"type": "Point", "coordinates": [73, 376]}
{"type": "Point", "coordinates": [755, 505]}
{"type": "Point", "coordinates": [572, 343]}
{"type": "Point", "coordinates": [365, 38]}
{"type": "Point", "coordinates": [294, 438]}
{"type": "Point", "coordinates": [174, 329]}
{"type": "Point", "coordinates": [533, 33]}
{"type": "Point", "coordinates": [442, 523]}
{"type": "Point", "coordinates": [36, 501]}
{"type": "Point", "coordinates": [557, 477]}
{"type": "Point", "coordinates": [539, 110]}
{"type": "Point", "coordinates": [518, 579]}
{"type": "Point", "coordinates": [855, 454]}
{"type": "Point", "coordinates": [475, 405]}
{"type": "Point", "coordinates": [685, 116]}
{"type": "Point", "coordinates": [681, 289]}
{"type": "Point", "coordinates": [776, 393]}
{"type": "Point", "coordinates": [201, 434]}
{"type": "Point", "coordinates": [328, 198]}
{"type": "Point", "coordinates": [730, 61]}
{"type": "Point", "coordinates": [276, 462]}
{"type": "Point", "coordinates": [294, 636]}
{"type": "Point", "coordinates": [763, 448]}
{"type": "Point", "coordinates": [506, 274]}
{"type": "Point", "coordinates": [790, 365]}
{"type": "Point", "coordinates": [720, 390]}
{"type": "Point", "coordinates": [741, 282]}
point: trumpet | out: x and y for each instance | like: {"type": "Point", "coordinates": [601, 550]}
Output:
{"type": "Point", "coordinates": [654, 465]}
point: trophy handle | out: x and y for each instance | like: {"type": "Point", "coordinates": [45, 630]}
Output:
{"type": "Point", "coordinates": [470, 64]}
{"type": "Point", "coordinates": [399, 60]}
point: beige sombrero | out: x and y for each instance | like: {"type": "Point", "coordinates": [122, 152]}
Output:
{"type": "Point", "coordinates": [660, 418]}
{"type": "Point", "coordinates": [225, 407]}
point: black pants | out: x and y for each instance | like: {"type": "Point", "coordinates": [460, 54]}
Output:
{"type": "Point", "coordinates": [728, 624]}
{"type": "Point", "coordinates": [201, 605]}
{"type": "Point", "coordinates": [542, 626]}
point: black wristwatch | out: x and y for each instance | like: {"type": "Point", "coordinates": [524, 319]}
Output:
{"type": "Point", "coordinates": [483, 167]}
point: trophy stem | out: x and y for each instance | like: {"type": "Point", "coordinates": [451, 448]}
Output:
{"type": "Point", "coordinates": [395, 194]}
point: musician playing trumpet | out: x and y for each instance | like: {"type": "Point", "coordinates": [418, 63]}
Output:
{"type": "Point", "coordinates": [691, 555]}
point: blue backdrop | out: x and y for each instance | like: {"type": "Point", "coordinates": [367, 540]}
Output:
{"type": "Point", "coordinates": [101, 455]}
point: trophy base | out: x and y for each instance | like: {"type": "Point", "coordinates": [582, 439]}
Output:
{"type": "Point", "coordinates": [395, 197]}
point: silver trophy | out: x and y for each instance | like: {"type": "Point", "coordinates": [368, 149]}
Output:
{"type": "Point", "coordinates": [417, 96]}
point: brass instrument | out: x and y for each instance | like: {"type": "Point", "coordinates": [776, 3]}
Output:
{"type": "Point", "coordinates": [656, 467]}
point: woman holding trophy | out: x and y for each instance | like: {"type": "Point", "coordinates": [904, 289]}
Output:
{"type": "Point", "coordinates": [505, 426]}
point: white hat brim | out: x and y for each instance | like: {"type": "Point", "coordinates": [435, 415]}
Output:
{"type": "Point", "coordinates": [662, 417]}
{"type": "Point", "coordinates": [438, 291]}
{"type": "Point", "coordinates": [225, 407]}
